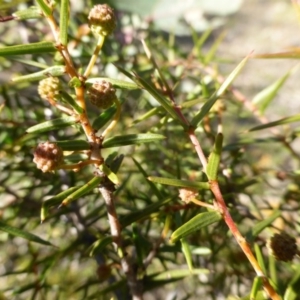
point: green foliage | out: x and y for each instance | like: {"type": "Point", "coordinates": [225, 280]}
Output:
{"type": "Point", "coordinates": [131, 210]}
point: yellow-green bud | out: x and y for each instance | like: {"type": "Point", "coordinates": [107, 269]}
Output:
{"type": "Point", "coordinates": [48, 156]}
{"type": "Point", "coordinates": [102, 94]}
{"type": "Point", "coordinates": [102, 19]}
{"type": "Point", "coordinates": [282, 246]}
{"type": "Point", "coordinates": [49, 88]}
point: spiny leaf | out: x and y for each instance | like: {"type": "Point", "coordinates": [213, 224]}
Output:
{"type": "Point", "coordinates": [209, 104]}
{"type": "Point", "coordinates": [196, 223]}
{"type": "Point", "coordinates": [265, 97]}
{"type": "Point", "coordinates": [47, 10]}
{"type": "Point", "coordinates": [256, 287]}
{"type": "Point", "coordinates": [93, 183]}
{"type": "Point", "coordinates": [110, 174]}
{"type": "Point", "coordinates": [131, 139]}
{"type": "Point", "coordinates": [54, 71]}
{"type": "Point", "coordinates": [180, 183]}
{"type": "Point", "coordinates": [165, 103]}
{"type": "Point", "coordinates": [54, 201]}
{"type": "Point", "coordinates": [214, 158]}
{"type": "Point", "coordinates": [260, 226]}
{"type": "Point", "coordinates": [23, 234]}
{"type": "Point", "coordinates": [73, 145]}
{"type": "Point", "coordinates": [104, 117]}
{"type": "Point", "coordinates": [32, 12]}
{"type": "Point", "coordinates": [260, 258]}
{"type": "Point", "coordinates": [33, 48]}
{"type": "Point", "coordinates": [100, 244]}
{"type": "Point", "coordinates": [282, 121]}
{"type": "Point", "coordinates": [293, 292]}
{"type": "Point", "coordinates": [52, 125]}
{"type": "Point", "coordinates": [68, 99]}
{"type": "Point", "coordinates": [162, 278]}
{"type": "Point", "coordinates": [64, 21]}
{"type": "Point", "coordinates": [187, 253]}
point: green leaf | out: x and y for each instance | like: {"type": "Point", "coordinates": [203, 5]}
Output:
{"type": "Point", "coordinates": [114, 161]}
{"type": "Point", "coordinates": [104, 117]}
{"type": "Point", "coordinates": [148, 114]}
{"type": "Point", "coordinates": [165, 103]}
{"type": "Point", "coordinates": [54, 71]}
{"type": "Point", "coordinates": [200, 221]}
{"type": "Point", "coordinates": [100, 244]}
{"type": "Point", "coordinates": [187, 253]}
{"type": "Point", "coordinates": [23, 234]}
{"type": "Point", "coordinates": [209, 56]}
{"type": "Point", "coordinates": [132, 139]}
{"type": "Point", "coordinates": [180, 183]}
{"type": "Point", "coordinates": [293, 291]}
{"type": "Point", "coordinates": [110, 174]}
{"type": "Point", "coordinates": [256, 287]}
{"type": "Point", "coordinates": [260, 258]}
{"type": "Point", "coordinates": [33, 48]}
{"type": "Point", "coordinates": [162, 278]}
{"type": "Point", "coordinates": [73, 145]}
{"type": "Point", "coordinates": [64, 21]}
{"type": "Point", "coordinates": [214, 158]}
{"type": "Point", "coordinates": [47, 10]}
{"type": "Point", "coordinates": [260, 226]}
{"type": "Point", "coordinates": [273, 269]}
{"type": "Point", "coordinates": [283, 121]}
{"type": "Point", "coordinates": [68, 99]}
{"type": "Point", "coordinates": [52, 125]}
{"type": "Point", "coordinates": [89, 186]}
{"type": "Point", "coordinates": [54, 201]}
{"type": "Point", "coordinates": [139, 244]}
{"type": "Point", "coordinates": [210, 102]}
{"type": "Point", "coordinates": [32, 12]}
{"type": "Point", "coordinates": [118, 84]}
{"type": "Point", "coordinates": [265, 97]}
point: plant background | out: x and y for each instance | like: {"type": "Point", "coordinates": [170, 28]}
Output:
{"type": "Point", "coordinates": [262, 26]}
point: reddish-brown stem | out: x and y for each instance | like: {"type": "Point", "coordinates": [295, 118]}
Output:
{"type": "Point", "coordinates": [240, 239]}
{"type": "Point", "coordinates": [222, 208]}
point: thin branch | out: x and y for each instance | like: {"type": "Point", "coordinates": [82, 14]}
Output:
{"type": "Point", "coordinates": [134, 285]}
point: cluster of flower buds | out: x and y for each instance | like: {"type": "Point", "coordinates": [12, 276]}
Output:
{"type": "Point", "coordinates": [282, 246]}
{"type": "Point", "coordinates": [49, 88]}
{"type": "Point", "coordinates": [48, 156]}
{"type": "Point", "coordinates": [102, 94]}
{"type": "Point", "coordinates": [102, 20]}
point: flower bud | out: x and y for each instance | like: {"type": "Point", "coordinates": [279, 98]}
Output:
{"type": "Point", "coordinates": [187, 194]}
{"type": "Point", "coordinates": [49, 88]}
{"type": "Point", "coordinates": [282, 246]}
{"type": "Point", "coordinates": [102, 19]}
{"type": "Point", "coordinates": [48, 156]}
{"type": "Point", "coordinates": [102, 94]}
